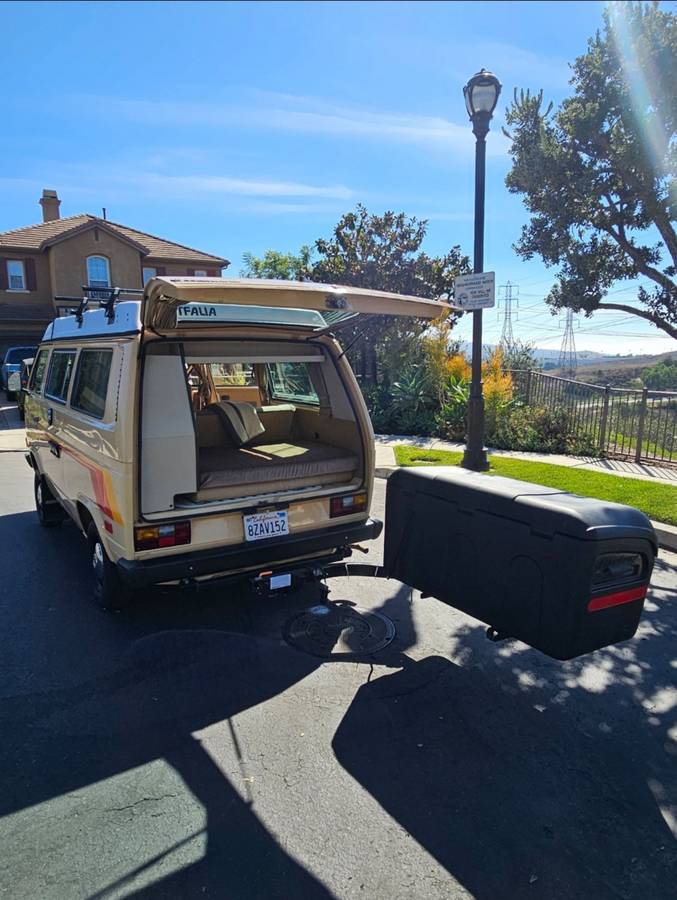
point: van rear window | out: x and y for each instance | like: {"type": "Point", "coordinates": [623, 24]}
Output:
{"type": "Point", "coordinates": [60, 371]}
{"type": "Point", "coordinates": [91, 382]}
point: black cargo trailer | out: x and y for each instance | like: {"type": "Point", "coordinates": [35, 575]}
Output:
{"type": "Point", "coordinates": [565, 574]}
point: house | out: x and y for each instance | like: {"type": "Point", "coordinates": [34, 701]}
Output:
{"type": "Point", "coordinates": [40, 263]}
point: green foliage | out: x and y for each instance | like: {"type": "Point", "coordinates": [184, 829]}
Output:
{"type": "Point", "coordinates": [599, 176]}
{"type": "Point", "coordinates": [287, 266]}
{"type": "Point", "coordinates": [658, 501]}
{"type": "Point", "coordinates": [520, 355]}
{"type": "Point", "coordinates": [662, 376]}
{"type": "Point", "coordinates": [450, 421]}
{"type": "Point", "coordinates": [412, 401]}
{"type": "Point", "coordinates": [540, 430]}
{"type": "Point", "coordinates": [384, 253]}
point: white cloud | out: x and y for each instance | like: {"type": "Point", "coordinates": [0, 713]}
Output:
{"type": "Point", "coordinates": [304, 115]}
{"type": "Point", "coordinates": [189, 185]}
{"type": "Point", "coordinates": [95, 180]}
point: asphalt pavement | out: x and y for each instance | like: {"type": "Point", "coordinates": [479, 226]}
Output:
{"type": "Point", "coordinates": [182, 749]}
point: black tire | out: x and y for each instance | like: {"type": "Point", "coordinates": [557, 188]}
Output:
{"type": "Point", "coordinates": [109, 592]}
{"type": "Point", "coordinates": [10, 395]}
{"type": "Point", "coordinates": [49, 510]}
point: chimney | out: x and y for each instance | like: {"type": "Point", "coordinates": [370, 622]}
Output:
{"type": "Point", "coordinates": [50, 204]}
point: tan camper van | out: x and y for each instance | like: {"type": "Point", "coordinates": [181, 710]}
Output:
{"type": "Point", "coordinates": [213, 428]}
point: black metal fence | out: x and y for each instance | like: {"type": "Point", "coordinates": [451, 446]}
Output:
{"type": "Point", "coordinates": [640, 425]}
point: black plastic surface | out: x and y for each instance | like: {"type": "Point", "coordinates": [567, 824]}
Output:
{"type": "Point", "coordinates": [515, 555]}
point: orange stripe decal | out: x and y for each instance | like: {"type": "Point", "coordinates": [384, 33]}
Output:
{"type": "Point", "coordinates": [102, 486]}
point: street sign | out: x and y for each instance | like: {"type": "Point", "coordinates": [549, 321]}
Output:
{"type": "Point", "coordinates": [476, 291]}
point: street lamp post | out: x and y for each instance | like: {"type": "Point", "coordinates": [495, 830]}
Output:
{"type": "Point", "coordinates": [481, 96]}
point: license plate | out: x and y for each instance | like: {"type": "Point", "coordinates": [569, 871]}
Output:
{"type": "Point", "coordinates": [259, 526]}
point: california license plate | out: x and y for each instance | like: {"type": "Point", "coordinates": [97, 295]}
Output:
{"type": "Point", "coordinates": [259, 526]}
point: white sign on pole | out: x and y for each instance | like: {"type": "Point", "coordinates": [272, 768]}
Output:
{"type": "Point", "coordinates": [476, 291]}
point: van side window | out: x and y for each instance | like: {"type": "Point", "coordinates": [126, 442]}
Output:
{"type": "Point", "coordinates": [91, 382]}
{"type": "Point", "coordinates": [60, 371]}
{"type": "Point", "coordinates": [290, 382]}
{"type": "Point", "coordinates": [38, 373]}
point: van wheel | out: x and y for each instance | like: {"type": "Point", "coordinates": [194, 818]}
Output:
{"type": "Point", "coordinates": [49, 510]}
{"type": "Point", "coordinates": [109, 592]}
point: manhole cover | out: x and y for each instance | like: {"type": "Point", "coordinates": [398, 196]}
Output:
{"type": "Point", "coordinates": [336, 630]}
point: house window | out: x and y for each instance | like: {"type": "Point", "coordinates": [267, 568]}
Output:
{"type": "Point", "coordinates": [148, 273]}
{"type": "Point", "coordinates": [98, 272]}
{"type": "Point", "coordinates": [16, 275]}
{"type": "Point", "coordinates": [201, 272]}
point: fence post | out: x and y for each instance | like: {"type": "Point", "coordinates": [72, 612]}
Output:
{"type": "Point", "coordinates": [527, 399]}
{"type": "Point", "coordinates": [640, 426]}
{"type": "Point", "coordinates": [603, 420]}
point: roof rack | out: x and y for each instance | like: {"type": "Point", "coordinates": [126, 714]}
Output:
{"type": "Point", "coordinates": [106, 298]}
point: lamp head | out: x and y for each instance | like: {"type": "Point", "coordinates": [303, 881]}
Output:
{"type": "Point", "coordinates": [481, 96]}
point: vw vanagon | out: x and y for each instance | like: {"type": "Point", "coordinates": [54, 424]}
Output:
{"type": "Point", "coordinates": [211, 429]}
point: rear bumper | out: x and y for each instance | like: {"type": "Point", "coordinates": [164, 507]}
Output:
{"type": "Point", "coordinates": [140, 573]}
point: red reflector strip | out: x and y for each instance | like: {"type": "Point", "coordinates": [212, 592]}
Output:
{"type": "Point", "coordinates": [617, 599]}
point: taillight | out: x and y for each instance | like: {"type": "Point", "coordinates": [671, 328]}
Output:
{"type": "Point", "coordinates": [618, 598]}
{"type": "Point", "coordinates": [347, 505]}
{"type": "Point", "coordinates": [151, 537]}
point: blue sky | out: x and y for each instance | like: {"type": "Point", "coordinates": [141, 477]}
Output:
{"type": "Point", "coordinates": [244, 126]}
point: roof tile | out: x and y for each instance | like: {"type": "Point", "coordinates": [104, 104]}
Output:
{"type": "Point", "coordinates": [37, 237]}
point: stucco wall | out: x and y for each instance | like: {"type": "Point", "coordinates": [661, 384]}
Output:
{"type": "Point", "coordinates": [68, 261]}
{"type": "Point", "coordinates": [181, 268]}
{"type": "Point", "coordinates": [42, 294]}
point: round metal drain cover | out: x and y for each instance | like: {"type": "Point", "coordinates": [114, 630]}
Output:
{"type": "Point", "coordinates": [336, 630]}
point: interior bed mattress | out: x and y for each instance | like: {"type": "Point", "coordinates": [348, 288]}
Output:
{"type": "Point", "coordinates": [273, 462]}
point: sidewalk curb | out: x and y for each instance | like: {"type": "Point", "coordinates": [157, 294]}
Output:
{"type": "Point", "coordinates": [665, 534]}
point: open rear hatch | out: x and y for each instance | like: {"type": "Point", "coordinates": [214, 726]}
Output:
{"type": "Point", "coordinates": [289, 426]}
{"type": "Point", "coordinates": [206, 298]}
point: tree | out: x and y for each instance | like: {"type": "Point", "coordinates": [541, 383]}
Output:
{"type": "Point", "coordinates": [662, 376]}
{"type": "Point", "coordinates": [273, 264]}
{"type": "Point", "coordinates": [383, 253]}
{"type": "Point", "coordinates": [599, 175]}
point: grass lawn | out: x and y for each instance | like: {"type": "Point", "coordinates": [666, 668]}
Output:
{"type": "Point", "coordinates": [658, 501]}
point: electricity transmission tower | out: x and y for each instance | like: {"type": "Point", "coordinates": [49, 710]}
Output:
{"type": "Point", "coordinates": [568, 361]}
{"type": "Point", "coordinates": [509, 293]}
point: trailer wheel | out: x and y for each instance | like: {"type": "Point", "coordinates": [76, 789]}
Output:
{"type": "Point", "coordinates": [109, 592]}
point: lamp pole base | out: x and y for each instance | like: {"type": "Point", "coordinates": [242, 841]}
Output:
{"type": "Point", "coordinates": [475, 455]}
{"type": "Point", "coordinates": [476, 459]}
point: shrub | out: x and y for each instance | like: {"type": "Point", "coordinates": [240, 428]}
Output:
{"type": "Point", "coordinates": [541, 430]}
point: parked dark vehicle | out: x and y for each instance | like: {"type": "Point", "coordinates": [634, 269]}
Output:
{"type": "Point", "coordinates": [24, 375]}
{"type": "Point", "coordinates": [12, 363]}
